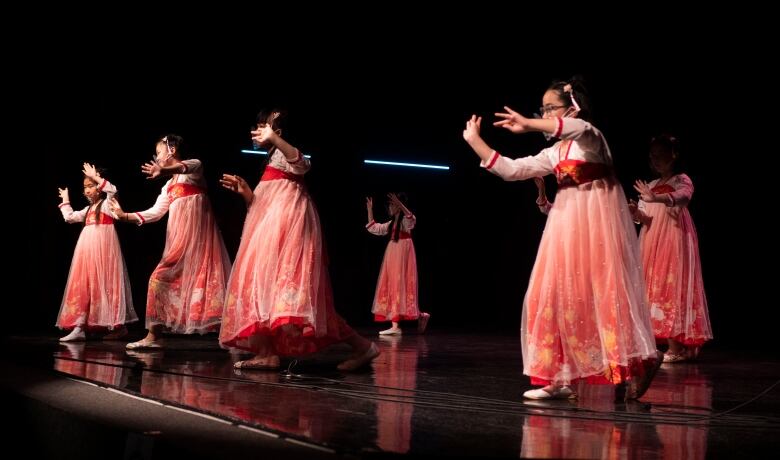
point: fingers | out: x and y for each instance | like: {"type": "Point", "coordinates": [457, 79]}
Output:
{"type": "Point", "coordinates": [511, 112]}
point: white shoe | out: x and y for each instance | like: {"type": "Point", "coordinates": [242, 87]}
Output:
{"type": "Point", "coordinates": [76, 335]}
{"type": "Point", "coordinates": [557, 393]}
{"type": "Point", "coordinates": [391, 331]}
{"type": "Point", "coordinates": [145, 344]}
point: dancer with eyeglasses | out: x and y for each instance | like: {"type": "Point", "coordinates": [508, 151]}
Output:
{"type": "Point", "coordinates": [187, 289]}
{"type": "Point", "coordinates": [585, 317]}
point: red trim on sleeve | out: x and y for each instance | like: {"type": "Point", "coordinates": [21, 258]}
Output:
{"type": "Point", "coordinates": [558, 130]}
{"type": "Point", "coordinates": [102, 185]}
{"type": "Point", "coordinates": [371, 224]}
{"type": "Point", "coordinates": [492, 160]}
{"type": "Point", "coordinates": [142, 220]}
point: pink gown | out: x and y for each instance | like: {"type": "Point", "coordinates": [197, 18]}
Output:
{"type": "Point", "coordinates": [585, 315]}
{"type": "Point", "coordinates": [396, 290]}
{"type": "Point", "coordinates": [97, 294]}
{"type": "Point", "coordinates": [187, 289]}
{"type": "Point", "coordinates": [280, 286]}
{"type": "Point", "coordinates": [670, 257]}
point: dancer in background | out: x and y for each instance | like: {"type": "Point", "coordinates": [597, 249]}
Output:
{"type": "Point", "coordinates": [396, 290]}
{"type": "Point", "coordinates": [670, 254]}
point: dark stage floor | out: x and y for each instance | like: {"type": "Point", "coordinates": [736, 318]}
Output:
{"type": "Point", "coordinates": [439, 394]}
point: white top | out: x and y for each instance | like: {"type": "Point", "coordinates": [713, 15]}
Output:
{"type": "Point", "coordinates": [683, 191]}
{"type": "Point", "coordinates": [73, 217]}
{"type": "Point", "coordinates": [407, 224]}
{"type": "Point", "coordinates": [588, 144]}
{"type": "Point", "coordinates": [193, 176]}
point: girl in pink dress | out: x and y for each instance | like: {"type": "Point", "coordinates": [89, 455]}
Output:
{"type": "Point", "coordinates": [584, 315]}
{"type": "Point", "coordinates": [396, 290]}
{"type": "Point", "coordinates": [97, 294]}
{"type": "Point", "coordinates": [670, 255]}
{"type": "Point", "coordinates": [187, 289]}
{"type": "Point", "coordinates": [279, 300]}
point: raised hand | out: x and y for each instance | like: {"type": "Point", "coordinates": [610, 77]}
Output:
{"type": "Point", "coordinates": [471, 132]}
{"type": "Point", "coordinates": [263, 135]}
{"type": "Point", "coordinates": [151, 169]}
{"type": "Point", "coordinates": [512, 121]}
{"type": "Point", "coordinates": [64, 194]}
{"type": "Point", "coordinates": [90, 171]}
{"type": "Point", "coordinates": [645, 192]}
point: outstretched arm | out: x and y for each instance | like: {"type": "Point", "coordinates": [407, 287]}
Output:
{"type": "Point", "coordinates": [152, 214]}
{"type": "Point", "coordinates": [153, 169]}
{"type": "Point", "coordinates": [239, 185]}
{"type": "Point", "coordinates": [517, 123]}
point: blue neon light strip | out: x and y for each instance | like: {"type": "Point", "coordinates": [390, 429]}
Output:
{"type": "Point", "coordinates": [412, 165]}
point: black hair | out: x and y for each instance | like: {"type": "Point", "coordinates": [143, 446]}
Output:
{"type": "Point", "coordinates": [578, 92]}
{"type": "Point", "coordinates": [670, 144]}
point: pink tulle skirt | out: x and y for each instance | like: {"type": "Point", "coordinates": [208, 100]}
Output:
{"type": "Point", "coordinates": [672, 268]}
{"type": "Point", "coordinates": [97, 294]}
{"type": "Point", "coordinates": [187, 289]}
{"type": "Point", "coordinates": [280, 286]}
{"type": "Point", "coordinates": [585, 314]}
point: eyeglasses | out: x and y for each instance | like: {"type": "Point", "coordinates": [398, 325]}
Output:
{"type": "Point", "coordinates": [550, 108]}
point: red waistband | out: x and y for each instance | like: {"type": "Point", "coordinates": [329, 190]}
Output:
{"type": "Point", "coordinates": [578, 172]}
{"type": "Point", "coordinates": [272, 173]}
{"type": "Point", "coordinates": [105, 219]}
{"type": "Point", "coordinates": [181, 190]}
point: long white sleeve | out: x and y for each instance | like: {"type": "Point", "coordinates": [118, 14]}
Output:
{"type": "Point", "coordinates": [193, 166]}
{"type": "Point", "coordinates": [299, 167]}
{"type": "Point", "coordinates": [521, 168]}
{"type": "Point", "coordinates": [378, 229]}
{"type": "Point", "coordinates": [110, 191]}
{"type": "Point", "coordinates": [157, 211]}
{"type": "Point", "coordinates": [71, 216]}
